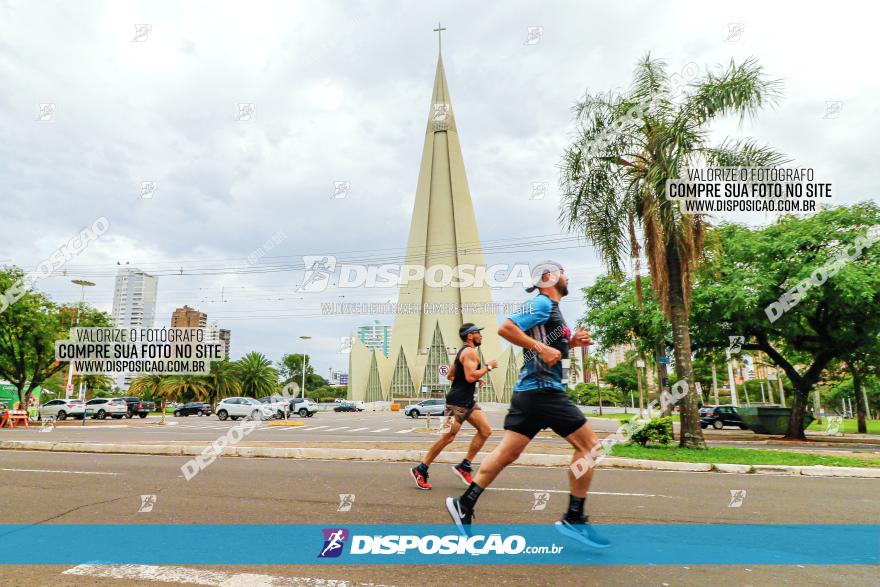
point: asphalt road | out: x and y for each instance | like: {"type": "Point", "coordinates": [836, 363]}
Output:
{"type": "Point", "coordinates": [41, 488]}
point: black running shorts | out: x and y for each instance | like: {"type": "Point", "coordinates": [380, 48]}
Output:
{"type": "Point", "coordinates": [532, 411]}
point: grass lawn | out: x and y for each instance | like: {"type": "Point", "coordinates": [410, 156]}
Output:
{"type": "Point", "coordinates": [850, 426]}
{"type": "Point", "coordinates": [738, 456]}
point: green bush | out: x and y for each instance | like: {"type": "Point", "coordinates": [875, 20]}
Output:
{"type": "Point", "coordinates": [656, 430]}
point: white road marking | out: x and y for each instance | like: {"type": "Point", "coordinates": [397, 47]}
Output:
{"type": "Point", "coordinates": [93, 427]}
{"type": "Point", "coordinates": [358, 429]}
{"type": "Point", "coordinates": [184, 575]}
{"type": "Point", "coordinates": [380, 430]}
{"type": "Point", "coordinates": [53, 471]}
{"type": "Point", "coordinates": [339, 428]}
{"type": "Point", "coordinates": [404, 431]}
{"type": "Point", "coordinates": [566, 491]}
{"type": "Point", "coordinates": [315, 428]}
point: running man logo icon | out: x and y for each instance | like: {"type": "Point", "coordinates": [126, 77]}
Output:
{"type": "Point", "coordinates": [541, 501]}
{"type": "Point", "coordinates": [737, 497]}
{"type": "Point", "coordinates": [317, 272]}
{"type": "Point", "coordinates": [147, 503]}
{"type": "Point", "coordinates": [539, 190]}
{"type": "Point", "coordinates": [48, 424]}
{"type": "Point", "coordinates": [534, 34]}
{"type": "Point", "coordinates": [334, 540]}
{"type": "Point", "coordinates": [142, 33]}
{"type": "Point", "coordinates": [833, 425]}
{"type": "Point", "coordinates": [735, 32]}
{"type": "Point", "coordinates": [736, 343]}
{"type": "Point", "coordinates": [346, 500]}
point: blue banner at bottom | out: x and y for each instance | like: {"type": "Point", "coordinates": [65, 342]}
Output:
{"type": "Point", "coordinates": [370, 544]}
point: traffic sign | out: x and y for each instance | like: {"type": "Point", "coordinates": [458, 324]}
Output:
{"type": "Point", "coordinates": [442, 372]}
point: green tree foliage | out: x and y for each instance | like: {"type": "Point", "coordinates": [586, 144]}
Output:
{"type": "Point", "coordinates": [29, 328]}
{"type": "Point", "coordinates": [748, 269]}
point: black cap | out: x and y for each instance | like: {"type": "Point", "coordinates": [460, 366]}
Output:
{"type": "Point", "coordinates": [467, 328]}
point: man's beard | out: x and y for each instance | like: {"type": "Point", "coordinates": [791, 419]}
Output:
{"type": "Point", "coordinates": [478, 342]}
{"type": "Point", "coordinates": [562, 288]}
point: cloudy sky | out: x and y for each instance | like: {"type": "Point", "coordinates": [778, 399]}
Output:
{"type": "Point", "coordinates": [341, 93]}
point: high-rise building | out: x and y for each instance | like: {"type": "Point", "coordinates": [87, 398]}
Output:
{"type": "Point", "coordinates": [617, 354]}
{"type": "Point", "coordinates": [187, 317]}
{"type": "Point", "coordinates": [443, 231]}
{"type": "Point", "coordinates": [134, 305]}
{"type": "Point", "coordinates": [219, 335]}
{"type": "Point", "coordinates": [376, 336]}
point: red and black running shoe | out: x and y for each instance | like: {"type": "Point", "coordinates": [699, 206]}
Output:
{"type": "Point", "coordinates": [420, 478]}
{"type": "Point", "coordinates": [463, 474]}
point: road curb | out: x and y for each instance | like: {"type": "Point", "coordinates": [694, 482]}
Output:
{"type": "Point", "coordinates": [414, 456]}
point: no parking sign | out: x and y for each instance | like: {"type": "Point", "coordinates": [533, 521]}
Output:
{"type": "Point", "coordinates": [442, 374]}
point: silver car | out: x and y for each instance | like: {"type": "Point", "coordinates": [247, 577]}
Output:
{"type": "Point", "coordinates": [432, 407]}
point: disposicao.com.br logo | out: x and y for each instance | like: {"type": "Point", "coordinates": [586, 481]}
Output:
{"type": "Point", "coordinates": [452, 544]}
{"type": "Point", "coordinates": [323, 270]}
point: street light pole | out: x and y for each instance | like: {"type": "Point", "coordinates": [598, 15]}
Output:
{"type": "Point", "coordinates": [303, 392]}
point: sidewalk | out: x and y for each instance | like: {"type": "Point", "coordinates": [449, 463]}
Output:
{"type": "Point", "coordinates": [542, 456]}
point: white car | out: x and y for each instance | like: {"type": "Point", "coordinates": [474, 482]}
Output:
{"type": "Point", "coordinates": [280, 405]}
{"type": "Point", "coordinates": [243, 407]}
{"type": "Point", "coordinates": [60, 409]}
{"type": "Point", "coordinates": [101, 407]}
{"type": "Point", "coordinates": [304, 407]}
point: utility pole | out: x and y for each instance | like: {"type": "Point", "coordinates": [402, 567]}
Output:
{"type": "Point", "coordinates": [714, 384]}
{"type": "Point", "coordinates": [780, 387]}
{"type": "Point", "coordinates": [732, 382]}
{"type": "Point", "coordinates": [640, 364]}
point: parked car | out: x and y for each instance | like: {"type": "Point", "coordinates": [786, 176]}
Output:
{"type": "Point", "coordinates": [280, 405]}
{"type": "Point", "coordinates": [720, 416]}
{"type": "Point", "coordinates": [101, 407]}
{"type": "Point", "coordinates": [193, 409]}
{"type": "Point", "coordinates": [349, 407]}
{"type": "Point", "coordinates": [138, 407]}
{"type": "Point", "coordinates": [243, 407]}
{"type": "Point", "coordinates": [433, 407]}
{"type": "Point", "coordinates": [303, 406]}
{"type": "Point", "coordinates": [60, 409]}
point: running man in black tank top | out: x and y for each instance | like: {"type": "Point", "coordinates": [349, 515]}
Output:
{"type": "Point", "coordinates": [461, 406]}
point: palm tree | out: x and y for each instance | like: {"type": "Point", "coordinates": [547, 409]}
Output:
{"type": "Point", "coordinates": [92, 382]}
{"type": "Point", "coordinates": [222, 381]}
{"type": "Point", "coordinates": [256, 375]}
{"type": "Point", "coordinates": [147, 386]}
{"type": "Point", "coordinates": [614, 175]}
{"type": "Point", "coordinates": [184, 387]}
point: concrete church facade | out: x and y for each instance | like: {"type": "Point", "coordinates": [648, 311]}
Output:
{"type": "Point", "coordinates": [443, 231]}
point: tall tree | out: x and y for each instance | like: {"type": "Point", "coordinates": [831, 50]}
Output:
{"type": "Point", "coordinates": [29, 328]}
{"type": "Point", "coordinates": [750, 270]}
{"type": "Point", "coordinates": [614, 179]}
{"type": "Point", "coordinates": [256, 375]}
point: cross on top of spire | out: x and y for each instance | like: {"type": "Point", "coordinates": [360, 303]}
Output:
{"type": "Point", "coordinates": [439, 30]}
